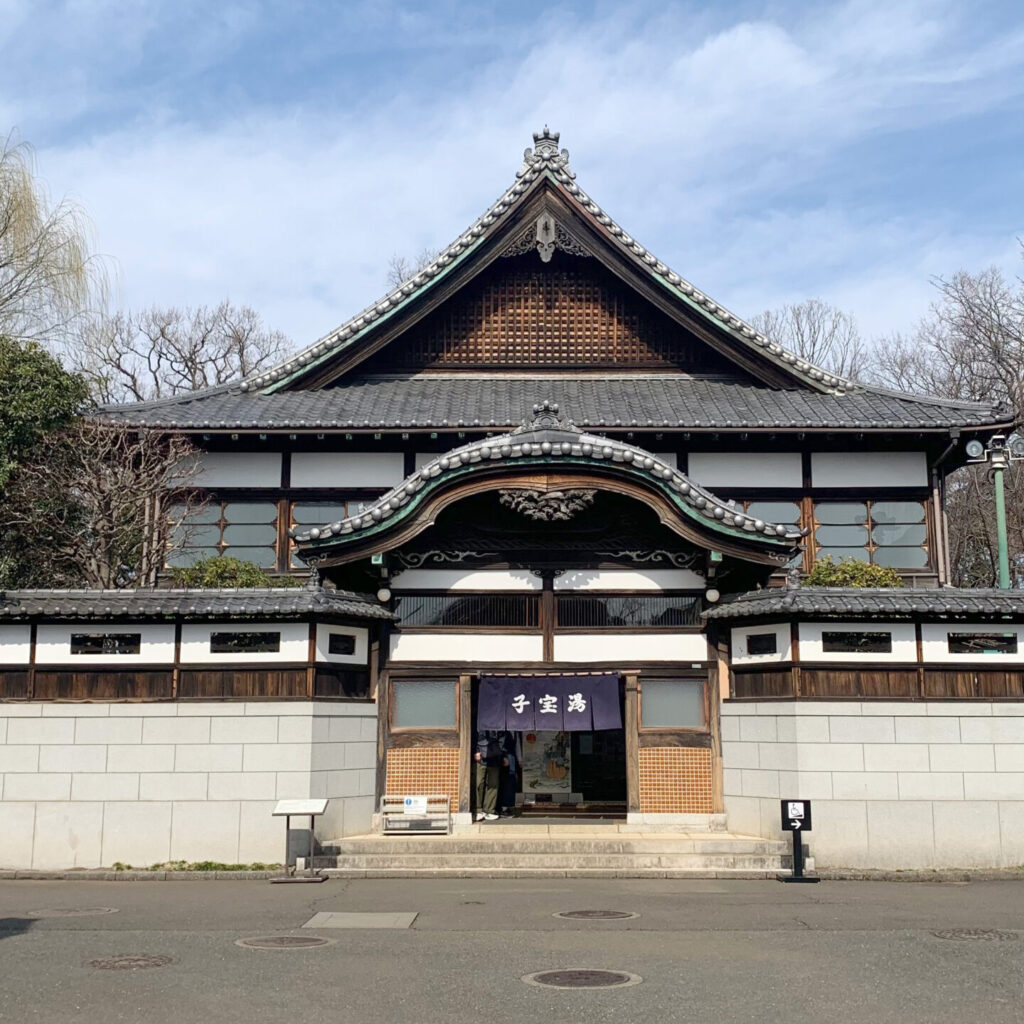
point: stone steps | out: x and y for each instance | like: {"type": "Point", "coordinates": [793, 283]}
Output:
{"type": "Point", "coordinates": [545, 856]}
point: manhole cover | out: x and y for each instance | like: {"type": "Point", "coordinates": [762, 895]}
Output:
{"type": "Point", "coordinates": [284, 942]}
{"type": "Point", "coordinates": [129, 962]}
{"type": "Point", "coordinates": [985, 934]}
{"type": "Point", "coordinates": [582, 977]}
{"type": "Point", "coordinates": [72, 911]}
{"type": "Point", "coordinates": [596, 915]}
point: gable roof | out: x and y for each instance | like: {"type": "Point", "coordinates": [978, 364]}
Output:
{"type": "Point", "coordinates": [546, 164]}
{"type": "Point", "coordinates": [796, 394]}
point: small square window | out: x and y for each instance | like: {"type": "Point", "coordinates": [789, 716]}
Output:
{"type": "Point", "coordinates": [341, 643]}
{"type": "Point", "coordinates": [763, 643]}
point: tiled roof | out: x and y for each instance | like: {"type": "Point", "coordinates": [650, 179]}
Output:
{"type": "Point", "coordinates": [850, 603]}
{"type": "Point", "coordinates": [547, 160]}
{"type": "Point", "coordinates": [503, 402]}
{"type": "Point", "coordinates": [257, 602]}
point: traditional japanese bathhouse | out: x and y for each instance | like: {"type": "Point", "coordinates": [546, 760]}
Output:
{"type": "Point", "coordinates": [547, 453]}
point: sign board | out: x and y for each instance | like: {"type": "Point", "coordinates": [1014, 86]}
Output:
{"type": "Point", "coordinates": [414, 805]}
{"type": "Point", "coordinates": [299, 807]}
{"type": "Point", "coordinates": [796, 815]}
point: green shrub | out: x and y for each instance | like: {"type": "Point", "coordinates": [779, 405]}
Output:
{"type": "Point", "coordinates": [851, 572]}
{"type": "Point", "coordinates": [225, 571]}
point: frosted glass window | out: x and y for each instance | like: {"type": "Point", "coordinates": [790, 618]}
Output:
{"type": "Point", "coordinates": [423, 704]}
{"type": "Point", "coordinates": [672, 704]}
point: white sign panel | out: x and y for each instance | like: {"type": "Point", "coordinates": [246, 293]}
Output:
{"type": "Point", "coordinates": [414, 805]}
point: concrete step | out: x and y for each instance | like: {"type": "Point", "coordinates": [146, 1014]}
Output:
{"type": "Point", "coordinates": [523, 855]}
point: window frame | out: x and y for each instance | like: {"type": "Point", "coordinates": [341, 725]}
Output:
{"type": "Point", "coordinates": [694, 627]}
{"type": "Point", "coordinates": [704, 729]}
{"type": "Point", "coordinates": [534, 595]}
{"type": "Point", "coordinates": [454, 682]}
{"type": "Point", "coordinates": [871, 546]}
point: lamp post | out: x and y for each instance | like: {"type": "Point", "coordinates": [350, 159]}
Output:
{"type": "Point", "coordinates": [998, 454]}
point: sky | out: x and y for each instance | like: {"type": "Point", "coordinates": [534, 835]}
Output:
{"type": "Point", "coordinates": [278, 154]}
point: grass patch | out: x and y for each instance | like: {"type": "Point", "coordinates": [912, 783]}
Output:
{"type": "Point", "coordinates": [199, 865]}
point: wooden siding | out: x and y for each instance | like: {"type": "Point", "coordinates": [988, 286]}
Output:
{"type": "Point", "coordinates": [351, 683]}
{"type": "Point", "coordinates": [125, 684]}
{"type": "Point", "coordinates": [214, 684]}
{"type": "Point", "coordinates": [883, 684]}
{"type": "Point", "coordinates": [570, 313]}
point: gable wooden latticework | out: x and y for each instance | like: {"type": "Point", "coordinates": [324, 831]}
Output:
{"type": "Point", "coordinates": [568, 313]}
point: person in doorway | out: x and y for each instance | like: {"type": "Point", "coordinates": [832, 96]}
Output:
{"type": "Point", "coordinates": [490, 760]}
{"type": "Point", "coordinates": [508, 785]}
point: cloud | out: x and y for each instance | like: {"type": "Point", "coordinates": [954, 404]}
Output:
{"type": "Point", "coordinates": [732, 145]}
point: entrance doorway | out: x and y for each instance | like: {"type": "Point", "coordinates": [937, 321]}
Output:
{"type": "Point", "coordinates": [568, 773]}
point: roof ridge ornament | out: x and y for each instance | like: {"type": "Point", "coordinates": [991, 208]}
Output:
{"type": "Point", "coordinates": [546, 417]}
{"type": "Point", "coordinates": [545, 153]}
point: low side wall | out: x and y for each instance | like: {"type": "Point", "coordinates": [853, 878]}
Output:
{"type": "Point", "coordinates": [85, 785]}
{"type": "Point", "coordinates": [893, 784]}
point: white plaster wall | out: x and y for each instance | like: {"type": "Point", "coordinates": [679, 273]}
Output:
{"type": "Point", "coordinates": [85, 785]}
{"type": "Point", "coordinates": [347, 469]}
{"type": "Point", "coordinates": [15, 645]}
{"type": "Point", "coordinates": [631, 647]}
{"type": "Point", "coordinates": [935, 643]}
{"type": "Point", "coordinates": [869, 469]}
{"type": "Point", "coordinates": [472, 579]}
{"type": "Point", "coordinates": [53, 644]}
{"type": "Point", "coordinates": [783, 644]}
{"type": "Point", "coordinates": [238, 469]}
{"type": "Point", "coordinates": [323, 641]}
{"type": "Point", "coordinates": [904, 642]}
{"type": "Point", "coordinates": [195, 642]}
{"type": "Point", "coordinates": [746, 469]}
{"type": "Point", "coordinates": [481, 647]}
{"type": "Point", "coordinates": [629, 579]}
{"type": "Point", "coordinates": [893, 784]}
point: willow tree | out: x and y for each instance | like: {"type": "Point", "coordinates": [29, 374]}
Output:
{"type": "Point", "coordinates": [49, 279]}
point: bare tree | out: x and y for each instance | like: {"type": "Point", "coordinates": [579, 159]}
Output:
{"type": "Point", "coordinates": [970, 346]}
{"type": "Point", "coordinates": [163, 352]}
{"type": "Point", "coordinates": [817, 332]}
{"type": "Point", "coordinates": [401, 268]}
{"type": "Point", "coordinates": [93, 504]}
{"type": "Point", "coordinates": [49, 280]}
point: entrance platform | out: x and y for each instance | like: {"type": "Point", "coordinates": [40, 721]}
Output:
{"type": "Point", "coordinates": [536, 849]}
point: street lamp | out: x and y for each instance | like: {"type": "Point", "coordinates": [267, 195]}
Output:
{"type": "Point", "coordinates": [999, 454]}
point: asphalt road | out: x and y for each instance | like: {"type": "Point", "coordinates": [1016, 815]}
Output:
{"type": "Point", "coordinates": [714, 951]}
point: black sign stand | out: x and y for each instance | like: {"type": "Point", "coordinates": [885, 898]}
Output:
{"type": "Point", "coordinates": [796, 818]}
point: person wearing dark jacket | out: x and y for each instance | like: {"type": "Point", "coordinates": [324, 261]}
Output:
{"type": "Point", "coordinates": [490, 760]}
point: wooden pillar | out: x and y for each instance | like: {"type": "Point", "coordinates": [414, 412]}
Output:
{"type": "Point", "coordinates": [311, 663]}
{"type": "Point", "coordinates": [632, 725]}
{"type": "Point", "coordinates": [794, 641]}
{"type": "Point", "coordinates": [383, 701]}
{"type": "Point", "coordinates": [465, 741]}
{"type": "Point", "coordinates": [716, 694]}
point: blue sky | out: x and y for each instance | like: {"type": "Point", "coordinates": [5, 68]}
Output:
{"type": "Point", "coordinates": [278, 154]}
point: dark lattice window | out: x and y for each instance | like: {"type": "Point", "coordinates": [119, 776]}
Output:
{"type": "Point", "coordinates": [245, 643]}
{"type": "Point", "coordinates": [584, 611]}
{"type": "Point", "coordinates": [842, 642]}
{"type": "Point", "coordinates": [508, 610]}
{"type": "Point", "coordinates": [982, 643]}
{"type": "Point", "coordinates": [106, 643]}
{"type": "Point", "coordinates": [762, 643]}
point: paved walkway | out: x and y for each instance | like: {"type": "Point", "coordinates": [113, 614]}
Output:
{"type": "Point", "coordinates": [457, 950]}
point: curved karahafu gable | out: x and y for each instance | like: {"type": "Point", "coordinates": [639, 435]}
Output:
{"type": "Point", "coordinates": [552, 444]}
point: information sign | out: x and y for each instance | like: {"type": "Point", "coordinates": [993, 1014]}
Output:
{"type": "Point", "coordinates": [796, 815]}
{"type": "Point", "coordinates": [414, 805]}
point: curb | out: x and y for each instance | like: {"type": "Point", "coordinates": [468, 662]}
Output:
{"type": "Point", "coordinates": [101, 875]}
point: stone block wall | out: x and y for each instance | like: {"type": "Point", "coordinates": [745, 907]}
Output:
{"type": "Point", "coordinates": [85, 785]}
{"type": "Point", "coordinates": [893, 784]}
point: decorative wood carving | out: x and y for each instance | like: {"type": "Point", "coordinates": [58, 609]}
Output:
{"type": "Point", "coordinates": [547, 506]}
